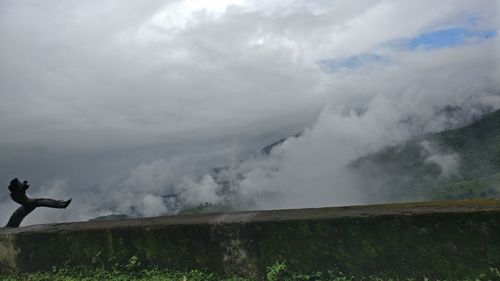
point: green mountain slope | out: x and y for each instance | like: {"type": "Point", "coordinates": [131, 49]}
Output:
{"type": "Point", "coordinates": [459, 163]}
{"type": "Point", "coordinates": [483, 187]}
{"type": "Point", "coordinates": [478, 145]}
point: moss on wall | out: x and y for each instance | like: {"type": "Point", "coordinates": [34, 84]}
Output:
{"type": "Point", "coordinates": [437, 245]}
{"type": "Point", "coordinates": [7, 252]}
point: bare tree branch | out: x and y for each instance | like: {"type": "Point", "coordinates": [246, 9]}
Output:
{"type": "Point", "coordinates": [18, 194]}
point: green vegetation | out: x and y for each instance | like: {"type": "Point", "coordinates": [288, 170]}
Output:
{"type": "Point", "coordinates": [110, 217]}
{"type": "Point", "coordinates": [207, 208]}
{"type": "Point", "coordinates": [462, 163]}
{"type": "Point", "coordinates": [276, 272]}
{"type": "Point", "coordinates": [88, 274]}
{"type": "Point", "coordinates": [484, 187]}
{"type": "Point", "coordinates": [477, 144]}
{"type": "Point", "coordinates": [201, 209]}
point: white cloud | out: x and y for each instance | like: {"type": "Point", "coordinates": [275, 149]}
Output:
{"type": "Point", "coordinates": [91, 90]}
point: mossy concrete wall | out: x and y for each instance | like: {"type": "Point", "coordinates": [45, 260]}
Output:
{"type": "Point", "coordinates": [438, 239]}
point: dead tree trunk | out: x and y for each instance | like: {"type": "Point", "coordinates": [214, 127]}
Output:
{"type": "Point", "coordinates": [18, 194]}
{"type": "Point", "coordinates": [18, 215]}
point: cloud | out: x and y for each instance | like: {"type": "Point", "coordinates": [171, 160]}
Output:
{"type": "Point", "coordinates": [132, 102]}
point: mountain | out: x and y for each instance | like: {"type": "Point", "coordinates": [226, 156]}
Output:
{"type": "Point", "coordinates": [267, 149]}
{"type": "Point", "coordinates": [453, 164]}
{"type": "Point", "coordinates": [478, 145]}
{"type": "Point", "coordinates": [460, 163]}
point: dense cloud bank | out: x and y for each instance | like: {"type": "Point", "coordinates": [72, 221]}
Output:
{"type": "Point", "coordinates": [128, 107]}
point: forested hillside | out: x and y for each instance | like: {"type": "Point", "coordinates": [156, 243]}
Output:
{"type": "Point", "coordinates": [454, 164]}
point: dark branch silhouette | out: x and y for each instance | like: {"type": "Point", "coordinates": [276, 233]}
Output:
{"type": "Point", "coordinates": [18, 194]}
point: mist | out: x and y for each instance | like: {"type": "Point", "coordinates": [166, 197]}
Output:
{"type": "Point", "coordinates": [148, 109]}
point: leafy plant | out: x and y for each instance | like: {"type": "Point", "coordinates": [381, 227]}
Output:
{"type": "Point", "coordinates": [275, 270]}
{"type": "Point", "coordinates": [96, 260]}
{"type": "Point", "coordinates": [133, 264]}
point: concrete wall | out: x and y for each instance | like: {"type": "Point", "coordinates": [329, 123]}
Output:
{"type": "Point", "coordinates": [439, 239]}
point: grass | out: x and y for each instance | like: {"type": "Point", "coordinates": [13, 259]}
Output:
{"type": "Point", "coordinates": [276, 272]}
{"type": "Point", "coordinates": [88, 274]}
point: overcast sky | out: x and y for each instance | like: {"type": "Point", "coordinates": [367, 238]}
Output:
{"type": "Point", "coordinates": [118, 103]}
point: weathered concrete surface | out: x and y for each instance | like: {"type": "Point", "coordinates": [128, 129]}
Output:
{"type": "Point", "coordinates": [439, 239]}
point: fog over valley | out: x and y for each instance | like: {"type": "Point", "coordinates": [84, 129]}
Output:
{"type": "Point", "coordinates": [148, 108]}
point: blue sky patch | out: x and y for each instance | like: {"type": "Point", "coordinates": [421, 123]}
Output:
{"type": "Point", "coordinates": [460, 33]}
{"type": "Point", "coordinates": [445, 38]}
{"type": "Point", "coordinates": [332, 65]}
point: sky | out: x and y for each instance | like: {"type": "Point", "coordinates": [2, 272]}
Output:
{"type": "Point", "coordinates": [126, 106]}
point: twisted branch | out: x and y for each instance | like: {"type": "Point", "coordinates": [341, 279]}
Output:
{"type": "Point", "coordinates": [18, 194]}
